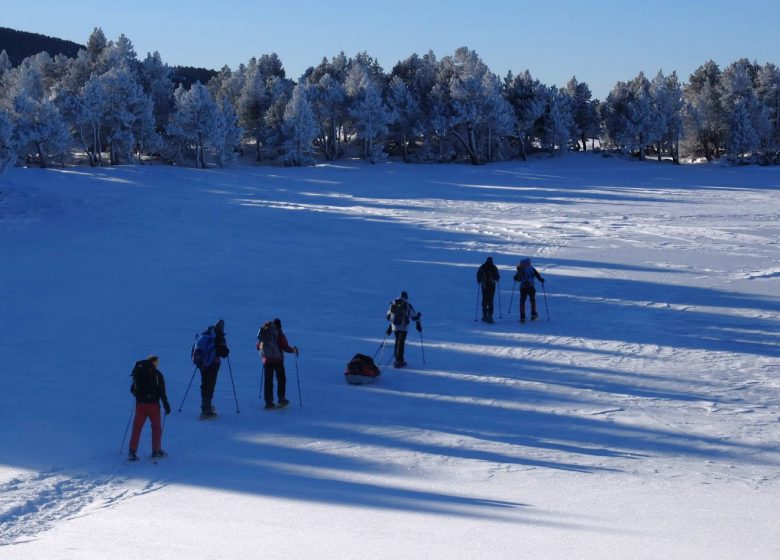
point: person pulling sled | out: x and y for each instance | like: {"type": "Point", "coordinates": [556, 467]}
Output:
{"type": "Point", "coordinates": [272, 344]}
{"type": "Point", "coordinates": [400, 314]}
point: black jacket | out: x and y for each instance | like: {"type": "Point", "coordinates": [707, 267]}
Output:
{"type": "Point", "coordinates": [488, 274]}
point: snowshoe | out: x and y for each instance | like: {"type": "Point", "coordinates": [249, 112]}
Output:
{"type": "Point", "coordinates": [282, 403]}
{"type": "Point", "coordinates": [159, 454]}
{"type": "Point", "coordinates": [270, 406]}
{"type": "Point", "coordinates": [132, 456]}
{"type": "Point", "coordinates": [399, 364]}
{"type": "Point", "coordinates": [534, 316]}
{"type": "Point", "coordinates": [207, 415]}
{"type": "Point", "coordinates": [522, 319]}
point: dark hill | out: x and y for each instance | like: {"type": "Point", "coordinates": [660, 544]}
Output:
{"type": "Point", "coordinates": [21, 44]}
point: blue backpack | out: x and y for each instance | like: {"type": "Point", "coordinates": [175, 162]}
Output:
{"type": "Point", "coordinates": [204, 350]}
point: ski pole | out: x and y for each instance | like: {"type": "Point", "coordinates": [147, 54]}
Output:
{"type": "Point", "coordinates": [476, 305]}
{"type": "Point", "coordinates": [188, 388]}
{"type": "Point", "coordinates": [298, 379]}
{"type": "Point", "coordinates": [381, 347]}
{"type": "Point", "coordinates": [545, 301]}
{"type": "Point", "coordinates": [498, 286]}
{"type": "Point", "coordinates": [509, 309]}
{"type": "Point", "coordinates": [422, 346]}
{"type": "Point", "coordinates": [262, 382]}
{"type": "Point", "coordinates": [230, 369]}
{"type": "Point", "coordinates": [121, 447]}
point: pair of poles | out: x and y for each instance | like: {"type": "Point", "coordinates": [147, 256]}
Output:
{"type": "Point", "coordinates": [384, 340]}
{"type": "Point", "coordinates": [509, 309]}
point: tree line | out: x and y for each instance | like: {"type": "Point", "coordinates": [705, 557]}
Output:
{"type": "Point", "coordinates": [116, 108]}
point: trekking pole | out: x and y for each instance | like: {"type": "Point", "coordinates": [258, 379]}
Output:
{"type": "Point", "coordinates": [545, 301]}
{"type": "Point", "coordinates": [298, 379]}
{"type": "Point", "coordinates": [509, 309]}
{"type": "Point", "coordinates": [381, 347]}
{"type": "Point", "coordinates": [121, 447]}
{"type": "Point", "coordinates": [188, 388]}
{"type": "Point", "coordinates": [262, 382]}
{"type": "Point", "coordinates": [230, 369]}
{"type": "Point", "coordinates": [476, 305]}
{"type": "Point", "coordinates": [422, 346]}
{"type": "Point", "coordinates": [498, 285]}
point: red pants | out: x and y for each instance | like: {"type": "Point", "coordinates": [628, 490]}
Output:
{"type": "Point", "coordinates": [142, 412]}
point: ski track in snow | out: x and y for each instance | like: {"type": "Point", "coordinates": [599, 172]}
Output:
{"type": "Point", "coordinates": [35, 503]}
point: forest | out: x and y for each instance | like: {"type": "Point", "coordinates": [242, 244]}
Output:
{"type": "Point", "coordinates": [104, 105]}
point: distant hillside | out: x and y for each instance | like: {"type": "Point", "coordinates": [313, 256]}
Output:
{"type": "Point", "coordinates": [21, 44]}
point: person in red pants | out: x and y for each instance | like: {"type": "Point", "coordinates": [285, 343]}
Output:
{"type": "Point", "coordinates": [149, 389]}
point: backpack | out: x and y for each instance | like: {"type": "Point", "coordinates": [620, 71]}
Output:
{"type": "Point", "coordinates": [268, 342]}
{"type": "Point", "coordinates": [399, 312]}
{"type": "Point", "coordinates": [204, 350]}
{"type": "Point", "coordinates": [145, 384]}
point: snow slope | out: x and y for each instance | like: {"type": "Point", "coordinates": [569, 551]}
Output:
{"type": "Point", "coordinates": [637, 419]}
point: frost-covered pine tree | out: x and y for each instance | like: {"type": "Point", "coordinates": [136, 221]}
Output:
{"type": "Point", "coordinates": [329, 103]}
{"type": "Point", "coordinates": [7, 152]}
{"type": "Point", "coordinates": [5, 63]}
{"type": "Point", "coordinates": [371, 117]}
{"type": "Point", "coordinates": [155, 78]}
{"type": "Point", "coordinates": [749, 125]}
{"type": "Point", "coordinates": [768, 92]}
{"type": "Point", "coordinates": [227, 134]}
{"type": "Point", "coordinates": [667, 98]}
{"type": "Point", "coordinates": [631, 119]}
{"type": "Point", "coordinates": [529, 100]}
{"type": "Point", "coordinates": [408, 122]}
{"type": "Point", "coordinates": [300, 128]}
{"type": "Point", "coordinates": [280, 94]}
{"type": "Point", "coordinates": [253, 103]}
{"type": "Point", "coordinates": [558, 121]}
{"type": "Point", "coordinates": [125, 105]}
{"type": "Point", "coordinates": [582, 111]}
{"type": "Point", "coordinates": [96, 44]}
{"type": "Point", "coordinates": [705, 120]}
{"type": "Point", "coordinates": [194, 123]}
{"type": "Point", "coordinates": [742, 134]}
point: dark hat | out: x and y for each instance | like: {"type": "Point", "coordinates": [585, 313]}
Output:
{"type": "Point", "coordinates": [404, 295]}
{"type": "Point", "coordinates": [220, 326]}
{"type": "Point", "coordinates": [489, 259]}
{"type": "Point", "coordinates": [278, 323]}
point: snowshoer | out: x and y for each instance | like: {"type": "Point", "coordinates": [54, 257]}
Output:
{"type": "Point", "coordinates": [525, 275]}
{"type": "Point", "coordinates": [400, 314]}
{"type": "Point", "coordinates": [487, 276]}
{"type": "Point", "coordinates": [272, 344]}
{"type": "Point", "coordinates": [210, 346]}
{"type": "Point", "coordinates": [148, 387]}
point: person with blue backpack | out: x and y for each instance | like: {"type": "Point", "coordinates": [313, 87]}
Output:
{"type": "Point", "coordinates": [210, 346]}
{"type": "Point", "coordinates": [400, 314]}
{"type": "Point", "coordinates": [525, 276]}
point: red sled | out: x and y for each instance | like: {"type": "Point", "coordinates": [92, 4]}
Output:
{"type": "Point", "coordinates": [361, 370]}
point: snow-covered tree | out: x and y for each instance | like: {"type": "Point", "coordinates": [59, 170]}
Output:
{"type": "Point", "coordinates": [253, 103]}
{"type": "Point", "coordinates": [768, 92]}
{"type": "Point", "coordinates": [582, 111]}
{"type": "Point", "coordinates": [329, 103]}
{"type": "Point", "coordinates": [96, 44]}
{"type": "Point", "coordinates": [631, 119]}
{"type": "Point", "coordinates": [5, 63]}
{"type": "Point", "coordinates": [300, 128]}
{"type": "Point", "coordinates": [529, 100]}
{"type": "Point", "coordinates": [155, 78]}
{"type": "Point", "coordinates": [194, 124]}
{"type": "Point", "coordinates": [280, 94]}
{"type": "Point", "coordinates": [371, 117]}
{"type": "Point", "coordinates": [226, 140]}
{"type": "Point", "coordinates": [667, 97]}
{"type": "Point", "coordinates": [706, 121]}
{"type": "Point", "coordinates": [408, 122]}
{"type": "Point", "coordinates": [7, 152]}
{"type": "Point", "coordinates": [557, 121]}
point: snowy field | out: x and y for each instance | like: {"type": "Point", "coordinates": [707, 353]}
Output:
{"type": "Point", "coordinates": [638, 419]}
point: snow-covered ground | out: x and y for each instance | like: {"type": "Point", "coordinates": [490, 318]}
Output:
{"type": "Point", "coordinates": [639, 418]}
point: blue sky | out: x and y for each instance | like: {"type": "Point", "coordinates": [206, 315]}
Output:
{"type": "Point", "coordinates": [599, 41]}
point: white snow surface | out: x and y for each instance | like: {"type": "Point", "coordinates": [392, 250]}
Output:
{"type": "Point", "coordinates": [637, 419]}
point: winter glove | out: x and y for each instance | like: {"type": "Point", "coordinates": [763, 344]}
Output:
{"type": "Point", "coordinates": [295, 348]}
{"type": "Point", "coordinates": [541, 280]}
{"type": "Point", "coordinates": [419, 327]}
{"type": "Point", "coordinates": [389, 330]}
{"type": "Point", "coordinates": [167, 409]}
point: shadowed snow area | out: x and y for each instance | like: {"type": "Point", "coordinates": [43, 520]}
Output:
{"type": "Point", "coordinates": [637, 418]}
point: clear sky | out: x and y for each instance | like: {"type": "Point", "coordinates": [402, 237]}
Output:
{"type": "Point", "coordinates": [599, 41]}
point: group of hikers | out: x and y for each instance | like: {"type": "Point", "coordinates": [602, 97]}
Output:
{"type": "Point", "coordinates": [211, 347]}
{"type": "Point", "coordinates": [488, 277]}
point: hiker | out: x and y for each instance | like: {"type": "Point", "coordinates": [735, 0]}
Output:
{"type": "Point", "coordinates": [487, 276]}
{"type": "Point", "coordinates": [400, 314]}
{"type": "Point", "coordinates": [148, 387]}
{"type": "Point", "coordinates": [209, 348]}
{"type": "Point", "coordinates": [525, 275]}
{"type": "Point", "coordinates": [272, 343]}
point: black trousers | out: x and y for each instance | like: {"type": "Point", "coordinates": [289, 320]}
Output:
{"type": "Point", "coordinates": [527, 293]}
{"type": "Point", "coordinates": [400, 340]}
{"type": "Point", "coordinates": [488, 293]}
{"type": "Point", "coordinates": [208, 381]}
{"type": "Point", "coordinates": [269, 368]}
